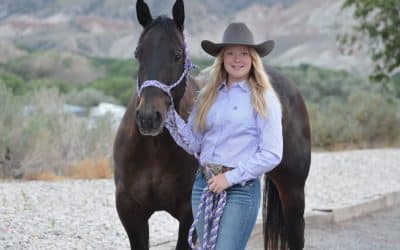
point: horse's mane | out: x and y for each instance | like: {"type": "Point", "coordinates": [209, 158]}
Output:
{"type": "Point", "coordinates": [193, 86]}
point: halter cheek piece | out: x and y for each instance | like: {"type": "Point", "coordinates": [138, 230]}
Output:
{"type": "Point", "coordinates": [164, 87]}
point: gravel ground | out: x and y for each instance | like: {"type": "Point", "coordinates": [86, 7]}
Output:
{"type": "Point", "coordinates": [77, 214]}
{"type": "Point", "coordinates": [377, 230]}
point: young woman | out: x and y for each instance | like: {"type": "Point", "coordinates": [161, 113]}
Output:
{"type": "Point", "coordinates": [235, 130]}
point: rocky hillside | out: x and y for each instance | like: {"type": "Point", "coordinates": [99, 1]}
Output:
{"type": "Point", "coordinates": [304, 30]}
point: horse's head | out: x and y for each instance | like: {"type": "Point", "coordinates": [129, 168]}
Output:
{"type": "Point", "coordinates": [161, 56]}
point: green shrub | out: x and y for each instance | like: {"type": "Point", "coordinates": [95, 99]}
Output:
{"type": "Point", "coordinates": [120, 87]}
{"type": "Point", "coordinates": [316, 84]}
{"type": "Point", "coordinates": [64, 67]}
{"type": "Point", "coordinates": [88, 98]}
{"type": "Point", "coordinates": [13, 82]}
{"type": "Point", "coordinates": [61, 86]}
{"type": "Point", "coordinates": [116, 67]}
{"type": "Point", "coordinates": [376, 114]}
{"type": "Point", "coordinates": [395, 84]}
{"type": "Point", "coordinates": [346, 110]}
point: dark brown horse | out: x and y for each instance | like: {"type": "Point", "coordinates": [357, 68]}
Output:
{"type": "Point", "coordinates": [283, 205]}
{"type": "Point", "coordinates": [152, 173]}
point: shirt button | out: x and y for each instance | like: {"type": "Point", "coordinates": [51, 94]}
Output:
{"type": "Point", "coordinates": [235, 107]}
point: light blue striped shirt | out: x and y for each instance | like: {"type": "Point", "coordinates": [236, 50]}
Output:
{"type": "Point", "coordinates": [235, 135]}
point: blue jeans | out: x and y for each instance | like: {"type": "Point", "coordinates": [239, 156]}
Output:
{"type": "Point", "coordinates": [239, 216]}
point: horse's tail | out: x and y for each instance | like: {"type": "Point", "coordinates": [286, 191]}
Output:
{"type": "Point", "coordinates": [273, 220]}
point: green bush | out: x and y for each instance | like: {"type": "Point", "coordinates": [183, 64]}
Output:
{"type": "Point", "coordinates": [13, 82]}
{"type": "Point", "coordinates": [116, 67]}
{"type": "Point", "coordinates": [120, 87]}
{"type": "Point", "coordinates": [395, 84]}
{"type": "Point", "coordinates": [376, 113]}
{"type": "Point", "coordinates": [61, 86]}
{"type": "Point", "coordinates": [316, 84]}
{"type": "Point", "coordinates": [64, 67]}
{"type": "Point", "coordinates": [345, 110]}
{"type": "Point", "coordinates": [88, 98]}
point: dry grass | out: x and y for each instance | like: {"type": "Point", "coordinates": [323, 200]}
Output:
{"type": "Point", "coordinates": [91, 169]}
{"type": "Point", "coordinates": [86, 169]}
{"type": "Point", "coordinates": [42, 176]}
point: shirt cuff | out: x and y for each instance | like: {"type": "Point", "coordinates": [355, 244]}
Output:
{"type": "Point", "coordinates": [233, 176]}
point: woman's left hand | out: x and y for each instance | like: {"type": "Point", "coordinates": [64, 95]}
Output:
{"type": "Point", "coordinates": [218, 183]}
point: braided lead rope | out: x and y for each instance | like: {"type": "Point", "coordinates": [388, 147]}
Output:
{"type": "Point", "coordinates": [213, 205]}
{"type": "Point", "coordinates": [207, 219]}
{"type": "Point", "coordinates": [218, 210]}
{"type": "Point", "coordinates": [172, 126]}
{"type": "Point", "coordinates": [197, 217]}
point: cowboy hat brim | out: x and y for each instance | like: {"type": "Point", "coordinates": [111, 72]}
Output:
{"type": "Point", "coordinates": [213, 49]}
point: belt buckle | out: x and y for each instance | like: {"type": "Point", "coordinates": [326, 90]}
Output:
{"type": "Point", "coordinates": [212, 170]}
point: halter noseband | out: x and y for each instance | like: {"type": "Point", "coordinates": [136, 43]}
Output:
{"type": "Point", "coordinates": [164, 87]}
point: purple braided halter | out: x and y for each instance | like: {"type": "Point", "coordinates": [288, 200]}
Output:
{"type": "Point", "coordinates": [167, 88]}
{"type": "Point", "coordinates": [213, 205]}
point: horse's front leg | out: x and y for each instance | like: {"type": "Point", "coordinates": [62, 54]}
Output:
{"type": "Point", "coordinates": [135, 221]}
{"type": "Point", "coordinates": [185, 218]}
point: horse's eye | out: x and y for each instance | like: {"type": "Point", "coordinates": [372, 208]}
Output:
{"type": "Point", "coordinates": [137, 52]}
{"type": "Point", "coordinates": [178, 55]}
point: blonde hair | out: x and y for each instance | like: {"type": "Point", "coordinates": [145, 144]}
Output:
{"type": "Point", "coordinates": [258, 81]}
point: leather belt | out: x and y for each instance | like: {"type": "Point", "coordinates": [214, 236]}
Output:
{"type": "Point", "coordinates": [210, 170]}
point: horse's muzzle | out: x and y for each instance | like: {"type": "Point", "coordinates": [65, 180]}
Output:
{"type": "Point", "coordinates": [150, 123]}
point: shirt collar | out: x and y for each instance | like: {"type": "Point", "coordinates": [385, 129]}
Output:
{"type": "Point", "coordinates": [243, 85]}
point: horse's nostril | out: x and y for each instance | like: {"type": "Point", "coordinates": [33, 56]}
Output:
{"type": "Point", "coordinates": [158, 116]}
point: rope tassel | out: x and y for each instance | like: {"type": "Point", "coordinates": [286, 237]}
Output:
{"type": "Point", "coordinates": [213, 205]}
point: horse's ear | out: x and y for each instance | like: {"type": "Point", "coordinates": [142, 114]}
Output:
{"type": "Point", "coordinates": [178, 12]}
{"type": "Point", "coordinates": [143, 13]}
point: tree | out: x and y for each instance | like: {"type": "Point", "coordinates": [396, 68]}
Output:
{"type": "Point", "coordinates": [378, 23]}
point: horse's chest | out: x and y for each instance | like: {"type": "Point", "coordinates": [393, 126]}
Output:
{"type": "Point", "coordinates": [155, 187]}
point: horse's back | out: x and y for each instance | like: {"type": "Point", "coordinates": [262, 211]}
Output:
{"type": "Point", "coordinates": [296, 128]}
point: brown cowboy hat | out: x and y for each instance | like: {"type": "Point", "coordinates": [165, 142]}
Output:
{"type": "Point", "coordinates": [237, 34]}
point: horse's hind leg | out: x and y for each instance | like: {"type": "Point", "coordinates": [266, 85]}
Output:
{"type": "Point", "coordinates": [135, 221]}
{"type": "Point", "coordinates": [292, 199]}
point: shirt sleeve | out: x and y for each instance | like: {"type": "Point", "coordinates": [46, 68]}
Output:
{"type": "Point", "coordinates": [270, 149]}
{"type": "Point", "coordinates": [183, 133]}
